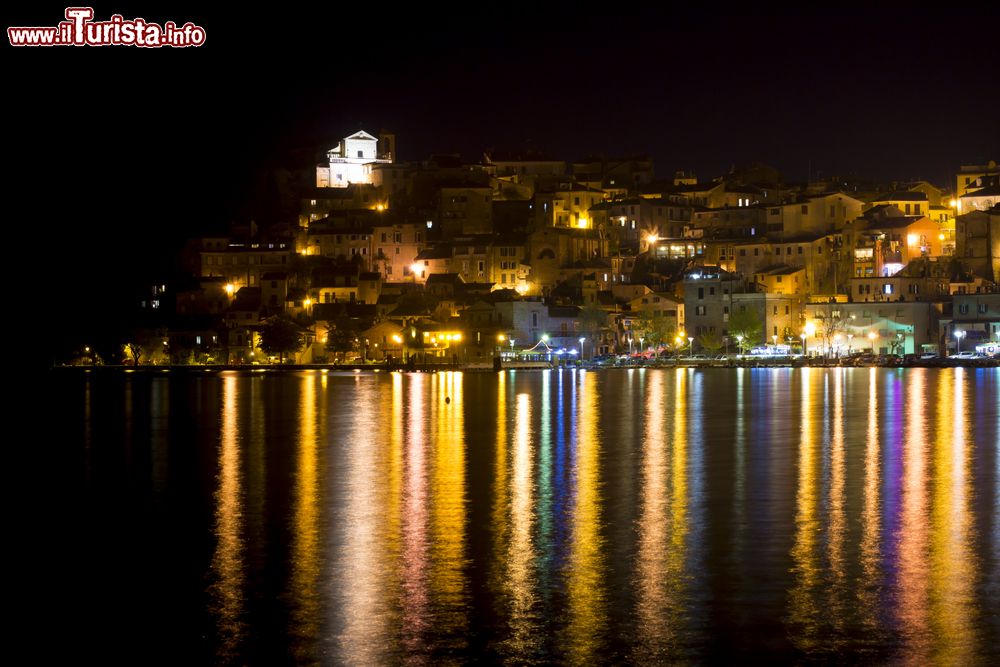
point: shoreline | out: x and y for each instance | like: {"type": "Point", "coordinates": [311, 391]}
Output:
{"type": "Point", "coordinates": [488, 368]}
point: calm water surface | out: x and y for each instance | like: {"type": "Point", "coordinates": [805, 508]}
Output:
{"type": "Point", "coordinates": [641, 516]}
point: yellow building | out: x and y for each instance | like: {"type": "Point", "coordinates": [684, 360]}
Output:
{"type": "Point", "coordinates": [974, 177]}
{"type": "Point", "coordinates": [781, 279]}
{"type": "Point", "coordinates": [565, 203]}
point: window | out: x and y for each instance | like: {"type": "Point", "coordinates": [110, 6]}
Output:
{"type": "Point", "coordinates": [775, 311]}
{"type": "Point", "coordinates": [361, 154]}
{"type": "Point", "coordinates": [711, 291]}
{"type": "Point", "coordinates": [788, 310]}
{"type": "Point", "coordinates": [805, 209]}
{"type": "Point", "coordinates": [779, 278]}
{"type": "Point", "coordinates": [800, 250]}
{"type": "Point", "coordinates": [887, 289]}
{"type": "Point", "coordinates": [756, 252]}
{"type": "Point", "coordinates": [701, 292]}
{"type": "Point", "coordinates": [534, 319]}
{"type": "Point", "coordinates": [699, 310]}
{"type": "Point", "coordinates": [963, 309]}
{"type": "Point", "coordinates": [981, 308]}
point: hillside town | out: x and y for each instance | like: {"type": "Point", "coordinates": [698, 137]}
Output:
{"type": "Point", "coordinates": [521, 256]}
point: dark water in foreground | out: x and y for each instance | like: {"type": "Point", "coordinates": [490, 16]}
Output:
{"type": "Point", "coordinates": [623, 516]}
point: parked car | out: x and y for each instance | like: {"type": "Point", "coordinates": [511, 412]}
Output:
{"type": "Point", "coordinates": [928, 356]}
{"type": "Point", "coordinates": [965, 354]}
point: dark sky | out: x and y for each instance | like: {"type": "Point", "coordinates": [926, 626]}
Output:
{"type": "Point", "coordinates": [119, 152]}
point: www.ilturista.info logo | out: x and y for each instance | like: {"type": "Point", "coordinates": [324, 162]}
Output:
{"type": "Point", "coordinates": [79, 29]}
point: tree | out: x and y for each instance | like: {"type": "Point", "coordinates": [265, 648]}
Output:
{"type": "Point", "coordinates": [381, 261]}
{"type": "Point", "coordinates": [829, 324]}
{"type": "Point", "coordinates": [280, 336]}
{"type": "Point", "coordinates": [711, 341]}
{"type": "Point", "coordinates": [746, 322]}
{"type": "Point", "coordinates": [138, 343]}
{"type": "Point", "coordinates": [134, 349]}
{"type": "Point", "coordinates": [592, 319]}
{"type": "Point", "coordinates": [339, 337]}
{"type": "Point", "coordinates": [655, 329]}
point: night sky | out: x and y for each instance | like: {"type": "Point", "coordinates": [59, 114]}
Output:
{"type": "Point", "coordinates": [120, 153]}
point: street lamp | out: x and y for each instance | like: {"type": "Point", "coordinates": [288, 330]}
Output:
{"type": "Point", "coordinates": [808, 331]}
{"type": "Point", "coordinates": [690, 346]}
{"type": "Point", "coordinates": [850, 337]}
{"type": "Point", "coordinates": [629, 346]}
{"type": "Point", "coordinates": [739, 344]}
{"type": "Point", "coordinates": [651, 240]}
{"type": "Point", "coordinates": [581, 347]}
{"type": "Point", "coordinates": [959, 335]}
{"type": "Point", "coordinates": [872, 336]}
{"type": "Point", "coordinates": [774, 340]}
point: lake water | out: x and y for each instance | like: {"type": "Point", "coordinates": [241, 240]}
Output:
{"type": "Point", "coordinates": [639, 515]}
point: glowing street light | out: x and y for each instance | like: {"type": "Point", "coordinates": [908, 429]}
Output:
{"type": "Point", "coordinates": [581, 347]}
{"type": "Point", "coordinates": [652, 239]}
{"type": "Point", "coordinates": [739, 343]}
{"type": "Point", "coordinates": [230, 289]}
{"type": "Point", "coordinates": [690, 345]}
{"type": "Point", "coordinates": [850, 337]}
{"type": "Point", "coordinates": [872, 336]}
{"type": "Point", "coordinates": [959, 335]}
{"type": "Point", "coordinates": [808, 331]}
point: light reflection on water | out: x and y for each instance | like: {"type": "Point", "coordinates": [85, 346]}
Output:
{"type": "Point", "coordinates": [642, 516]}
